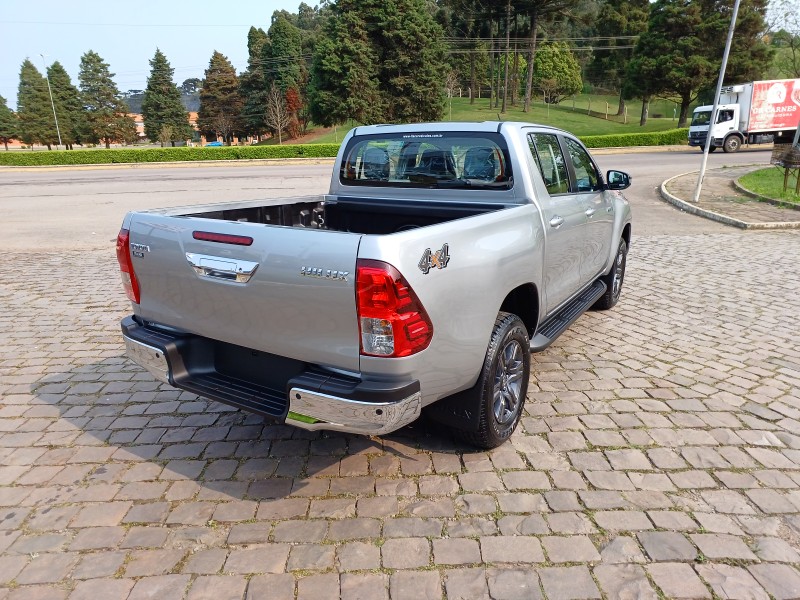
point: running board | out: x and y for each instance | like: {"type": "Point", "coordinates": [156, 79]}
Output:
{"type": "Point", "coordinates": [559, 322]}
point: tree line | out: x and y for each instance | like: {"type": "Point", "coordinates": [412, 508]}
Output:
{"type": "Point", "coordinates": [373, 61]}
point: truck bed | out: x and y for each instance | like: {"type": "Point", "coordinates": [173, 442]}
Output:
{"type": "Point", "coordinates": [353, 215]}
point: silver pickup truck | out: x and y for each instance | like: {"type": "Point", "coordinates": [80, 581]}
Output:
{"type": "Point", "coordinates": [443, 255]}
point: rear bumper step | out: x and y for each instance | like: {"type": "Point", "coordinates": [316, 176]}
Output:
{"type": "Point", "coordinates": [279, 388]}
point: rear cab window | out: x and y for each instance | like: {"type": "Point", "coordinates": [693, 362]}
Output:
{"type": "Point", "coordinates": [453, 160]}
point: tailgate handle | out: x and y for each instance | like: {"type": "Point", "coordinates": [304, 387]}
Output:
{"type": "Point", "coordinates": [222, 267]}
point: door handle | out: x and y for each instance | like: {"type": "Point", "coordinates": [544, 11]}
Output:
{"type": "Point", "coordinates": [556, 221]}
{"type": "Point", "coordinates": [590, 212]}
{"type": "Point", "coordinates": [222, 267]}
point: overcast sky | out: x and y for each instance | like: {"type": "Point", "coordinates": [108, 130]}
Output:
{"type": "Point", "coordinates": [126, 35]}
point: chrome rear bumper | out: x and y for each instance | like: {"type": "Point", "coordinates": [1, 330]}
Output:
{"type": "Point", "coordinates": [295, 393]}
{"type": "Point", "coordinates": [310, 410]}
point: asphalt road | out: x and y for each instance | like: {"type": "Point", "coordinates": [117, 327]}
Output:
{"type": "Point", "coordinates": [84, 208]}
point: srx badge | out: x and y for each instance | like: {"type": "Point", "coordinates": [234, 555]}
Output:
{"type": "Point", "coordinates": [431, 260]}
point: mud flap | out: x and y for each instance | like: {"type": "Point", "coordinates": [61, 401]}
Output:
{"type": "Point", "coordinates": [460, 411]}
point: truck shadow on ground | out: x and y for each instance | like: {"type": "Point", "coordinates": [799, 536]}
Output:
{"type": "Point", "coordinates": [217, 452]}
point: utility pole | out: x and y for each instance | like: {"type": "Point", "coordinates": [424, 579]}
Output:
{"type": "Point", "coordinates": [696, 198]}
{"type": "Point", "coordinates": [53, 104]}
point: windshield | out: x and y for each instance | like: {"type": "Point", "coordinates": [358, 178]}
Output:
{"type": "Point", "coordinates": [701, 117]}
{"type": "Point", "coordinates": [444, 160]}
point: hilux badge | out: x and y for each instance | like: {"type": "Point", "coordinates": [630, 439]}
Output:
{"type": "Point", "coordinates": [324, 273]}
{"type": "Point", "coordinates": [438, 259]}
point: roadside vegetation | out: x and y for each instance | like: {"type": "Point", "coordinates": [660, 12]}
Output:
{"type": "Point", "coordinates": [275, 151]}
{"type": "Point", "coordinates": [769, 182]}
{"type": "Point", "coordinates": [593, 67]}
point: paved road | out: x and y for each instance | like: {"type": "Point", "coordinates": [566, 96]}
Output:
{"type": "Point", "coordinates": [659, 456]}
{"type": "Point", "coordinates": [83, 209]}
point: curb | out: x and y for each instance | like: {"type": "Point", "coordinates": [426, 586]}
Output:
{"type": "Point", "coordinates": [180, 164]}
{"type": "Point", "coordinates": [719, 218]}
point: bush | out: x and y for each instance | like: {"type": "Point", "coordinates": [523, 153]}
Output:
{"type": "Point", "coordinates": [624, 140]}
{"type": "Point", "coordinates": [147, 155]}
{"type": "Point", "coordinates": [150, 155]}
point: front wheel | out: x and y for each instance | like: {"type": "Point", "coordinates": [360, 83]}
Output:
{"type": "Point", "coordinates": [614, 279]}
{"type": "Point", "coordinates": [732, 143]}
{"type": "Point", "coordinates": [711, 148]}
{"type": "Point", "coordinates": [503, 383]}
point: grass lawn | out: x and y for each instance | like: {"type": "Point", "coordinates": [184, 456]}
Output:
{"type": "Point", "coordinates": [769, 183]}
{"type": "Point", "coordinates": [563, 115]}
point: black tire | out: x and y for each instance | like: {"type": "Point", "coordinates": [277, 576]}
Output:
{"type": "Point", "coordinates": [614, 279]}
{"type": "Point", "coordinates": [732, 143]}
{"type": "Point", "coordinates": [503, 383]}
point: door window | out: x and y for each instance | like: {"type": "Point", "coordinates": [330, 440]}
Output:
{"type": "Point", "coordinates": [550, 160]}
{"type": "Point", "coordinates": [586, 177]}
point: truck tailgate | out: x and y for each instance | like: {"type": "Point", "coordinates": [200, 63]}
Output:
{"type": "Point", "coordinates": [290, 292]}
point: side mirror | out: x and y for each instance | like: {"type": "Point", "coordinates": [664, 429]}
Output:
{"type": "Point", "coordinates": [618, 180]}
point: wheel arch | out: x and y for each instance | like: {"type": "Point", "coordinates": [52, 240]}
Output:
{"type": "Point", "coordinates": [523, 301]}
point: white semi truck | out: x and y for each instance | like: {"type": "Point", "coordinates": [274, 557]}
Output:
{"type": "Point", "coordinates": [753, 113]}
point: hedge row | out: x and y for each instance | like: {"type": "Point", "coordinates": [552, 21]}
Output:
{"type": "Point", "coordinates": [145, 155]}
{"type": "Point", "coordinates": [671, 137]}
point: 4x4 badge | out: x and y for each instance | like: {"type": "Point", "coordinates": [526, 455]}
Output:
{"type": "Point", "coordinates": [438, 259]}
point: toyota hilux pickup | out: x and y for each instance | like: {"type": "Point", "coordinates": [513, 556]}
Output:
{"type": "Point", "coordinates": [442, 256]}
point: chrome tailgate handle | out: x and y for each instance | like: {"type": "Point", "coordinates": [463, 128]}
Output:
{"type": "Point", "coordinates": [222, 267]}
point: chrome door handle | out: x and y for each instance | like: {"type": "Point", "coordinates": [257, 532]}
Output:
{"type": "Point", "coordinates": [590, 212]}
{"type": "Point", "coordinates": [556, 221]}
{"type": "Point", "coordinates": [222, 267]}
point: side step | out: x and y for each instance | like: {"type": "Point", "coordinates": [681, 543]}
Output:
{"type": "Point", "coordinates": [559, 322]}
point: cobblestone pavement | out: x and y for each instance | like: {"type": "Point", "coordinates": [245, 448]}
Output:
{"type": "Point", "coordinates": [659, 457]}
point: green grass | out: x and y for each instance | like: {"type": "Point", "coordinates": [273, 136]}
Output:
{"type": "Point", "coordinates": [769, 182]}
{"type": "Point", "coordinates": [563, 115]}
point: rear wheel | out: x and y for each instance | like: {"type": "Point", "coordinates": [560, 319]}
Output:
{"type": "Point", "coordinates": [614, 279]}
{"type": "Point", "coordinates": [503, 383]}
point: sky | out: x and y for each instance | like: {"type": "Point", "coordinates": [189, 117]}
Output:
{"type": "Point", "coordinates": [127, 34]}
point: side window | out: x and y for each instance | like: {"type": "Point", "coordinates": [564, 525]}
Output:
{"type": "Point", "coordinates": [725, 115]}
{"type": "Point", "coordinates": [550, 160]}
{"type": "Point", "coordinates": [587, 179]}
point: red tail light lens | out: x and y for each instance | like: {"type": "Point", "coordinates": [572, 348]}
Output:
{"type": "Point", "coordinates": [129, 281]}
{"type": "Point", "coordinates": [392, 320]}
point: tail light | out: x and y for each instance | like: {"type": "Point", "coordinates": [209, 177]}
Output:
{"type": "Point", "coordinates": [391, 319]}
{"type": "Point", "coordinates": [126, 266]}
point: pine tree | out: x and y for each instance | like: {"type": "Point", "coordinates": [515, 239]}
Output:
{"type": "Point", "coordinates": [161, 105]}
{"type": "Point", "coordinates": [9, 125]}
{"type": "Point", "coordinates": [412, 60]}
{"type": "Point", "coordinates": [344, 76]}
{"type": "Point", "coordinates": [106, 114]}
{"type": "Point", "coordinates": [379, 61]}
{"type": "Point", "coordinates": [36, 122]}
{"type": "Point", "coordinates": [282, 56]}
{"type": "Point", "coordinates": [66, 98]}
{"type": "Point", "coordinates": [220, 102]}
{"type": "Point", "coordinates": [252, 86]}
